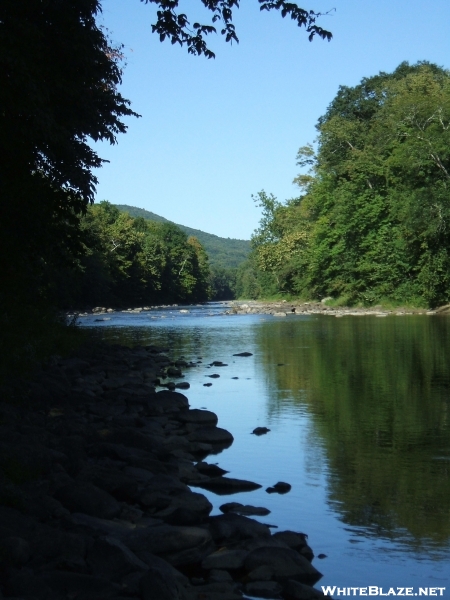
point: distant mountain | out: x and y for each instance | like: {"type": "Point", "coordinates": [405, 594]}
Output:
{"type": "Point", "coordinates": [223, 252]}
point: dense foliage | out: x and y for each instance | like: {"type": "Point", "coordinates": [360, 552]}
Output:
{"type": "Point", "coordinates": [134, 261]}
{"type": "Point", "coordinates": [59, 78]}
{"type": "Point", "coordinates": [222, 252]}
{"type": "Point", "coordinates": [373, 221]}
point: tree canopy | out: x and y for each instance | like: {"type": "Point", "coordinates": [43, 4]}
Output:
{"type": "Point", "coordinates": [59, 92]}
{"type": "Point", "coordinates": [373, 221]}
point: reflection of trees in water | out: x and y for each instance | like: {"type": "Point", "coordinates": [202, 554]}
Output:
{"type": "Point", "coordinates": [378, 392]}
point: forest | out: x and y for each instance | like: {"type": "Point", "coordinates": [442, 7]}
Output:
{"type": "Point", "coordinates": [371, 222]}
{"type": "Point", "coordinates": [130, 261]}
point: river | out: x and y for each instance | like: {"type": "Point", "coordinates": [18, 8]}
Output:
{"type": "Point", "coordinates": [359, 415]}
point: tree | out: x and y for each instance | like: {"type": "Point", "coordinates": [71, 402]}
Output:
{"type": "Point", "coordinates": [374, 221]}
{"type": "Point", "coordinates": [59, 78]}
{"type": "Point", "coordinates": [176, 27]}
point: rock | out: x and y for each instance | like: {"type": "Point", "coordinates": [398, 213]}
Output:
{"type": "Point", "coordinates": [165, 401]}
{"type": "Point", "coordinates": [243, 354]}
{"type": "Point", "coordinates": [14, 551]}
{"type": "Point", "coordinates": [155, 585]}
{"type": "Point", "coordinates": [216, 591]}
{"type": "Point", "coordinates": [176, 544]}
{"type": "Point", "coordinates": [218, 363]}
{"type": "Point", "coordinates": [213, 376]}
{"type": "Point", "coordinates": [264, 589]}
{"type": "Point", "coordinates": [260, 430]}
{"type": "Point", "coordinates": [173, 372]}
{"type": "Point", "coordinates": [195, 415]}
{"type": "Point", "coordinates": [110, 558]}
{"type": "Point", "coordinates": [279, 488]}
{"type": "Point", "coordinates": [210, 470]}
{"type": "Point", "coordinates": [232, 528]}
{"type": "Point", "coordinates": [279, 314]}
{"type": "Point", "coordinates": [86, 498]}
{"type": "Point", "coordinates": [300, 591]}
{"type": "Point", "coordinates": [212, 435]}
{"type": "Point", "coordinates": [226, 485]}
{"type": "Point", "coordinates": [296, 541]}
{"type": "Point", "coordinates": [111, 480]}
{"type": "Point", "coordinates": [263, 573]}
{"type": "Point", "coordinates": [72, 585]}
{"type": "Point", "coordinates": [225, 558]}
{"type": "Point", "coordinates": [183, 385]}
{"type": "Point", "coordinates": [60, 550]}
{"type": "Point", "coordinates": [219, 576]}
{"type": "Point", "coordinates": [104, 526]}
{"type": "Point", "coordinates": [207, 384]}
{"type": "Point", "coordinates": [285, 562]}
{"type": "Point", "coordinates": [244, 509]}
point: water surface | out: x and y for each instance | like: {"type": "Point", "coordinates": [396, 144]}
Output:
{"type": "Point", "coordinates": [358, 409]}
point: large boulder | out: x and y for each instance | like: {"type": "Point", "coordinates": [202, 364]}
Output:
{"type": "Point", "coordinates": [86, 498]}
{"type": "Point", "coordinates": [177, 544]}
{"type": "Point", "coordinates": [284, 562]}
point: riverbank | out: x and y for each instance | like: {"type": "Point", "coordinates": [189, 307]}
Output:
{"type": "Point", "coordinates": [284, 309]}
{"type": "Point", "coordinates": [275, 308]}
{"type": "Point", "coordinates": [96, 502]}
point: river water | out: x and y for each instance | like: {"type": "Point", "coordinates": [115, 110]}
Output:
{"type": "Point", "coordinates": [359, 415]}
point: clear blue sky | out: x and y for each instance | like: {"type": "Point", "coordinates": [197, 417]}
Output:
{"type": "Point", "coordinates": [214, 132]}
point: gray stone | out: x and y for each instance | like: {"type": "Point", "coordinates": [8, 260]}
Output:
{"type": "Point", "coordinates": [75, 584]}
{"type": "Point", "coordinates": [59, 550]}
{"type": "Point", "coordinates": [113, 481]}
{"type": "Point", "coordinates": [264, 589]}
{"type": "Point", "coordinates": [260, 430]}
{"type": "Point", "coordinates": [244, 509]}
{"type": "Point", "coordinates": [195, 415]}
{"type": "Point", "coordinates": [176, 544]}
{"type": "Point", "coordinates": [285, 562]}
{"type": "Point", "coordinates": [279, 488]}
{"type": "Point", "coordinates": [212, 435]}
{"type": "Point", "coordinates": [165, 402]}
{"type": "Point", "coordinates": [210, 470]}
{"type": "Point", "coordinates": [226, 485]}
{"type": "Point", "coordinates": [297, 541]}
{"type": "Point", "coordinates": [14, 551]}
{"type": "Point", "coordinates": [219, 576]}
{"type": "Point", "coordinates": [233, 527]}
{"type": "Point", "coordinates": [110, 558]}
{"type": "Point", "coordinates": [263, 573]}
{"type": "Point", "coordinates": [215, 591]}
{"type": "Point", "coordinates": [225, 558]}
{"type": "Point", "coordinates": [154, 585]}
{"type": "Point", "coordinates": [87, 498]}
{"type": "Point", "coordinates": [105, 526]}
{"type": "Point", "coordinates": [300, 591]}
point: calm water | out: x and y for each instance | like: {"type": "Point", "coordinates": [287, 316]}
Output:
{"type": "Point", "coordinates": [359, 412]}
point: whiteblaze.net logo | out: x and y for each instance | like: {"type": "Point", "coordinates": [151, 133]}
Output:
{"type": "Point", "coordinates": [374, 590]}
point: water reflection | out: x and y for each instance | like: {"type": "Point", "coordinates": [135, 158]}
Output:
{"type": "Point", "coordinates": [378, 393]}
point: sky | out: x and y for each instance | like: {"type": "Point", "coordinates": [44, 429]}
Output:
{"type": "Point", "coordinates": [212, 133]}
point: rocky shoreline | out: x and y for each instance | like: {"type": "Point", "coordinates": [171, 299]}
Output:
{"type": "Point", "coordinates": [276, 309]}
{"type": "Point", "coordinates": [284, 309]}
{"type": "Point", "coordinates": [96, 471]}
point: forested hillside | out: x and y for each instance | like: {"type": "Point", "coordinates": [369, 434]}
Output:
{"type": "Point", "coordinates": [372, 222]}
{"type": "Point", "coordinates": [134, 261]}
{"type": "Point", "coordinates": [222, 252]}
